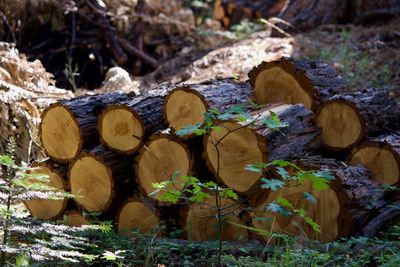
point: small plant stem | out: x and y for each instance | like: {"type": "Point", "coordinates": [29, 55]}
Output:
{"type": "Point", "coordinates": [6, 223]}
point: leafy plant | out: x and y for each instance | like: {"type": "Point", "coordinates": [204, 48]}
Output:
{"type": "Point", "coordinates": [193, 190]}
{"type": "Point", "coordinates": [24, 237]}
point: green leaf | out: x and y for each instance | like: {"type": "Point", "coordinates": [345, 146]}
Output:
{"type": "Point", "coordinates": [225, 116]}
{"type": "Point", "coordinates": [258, 167]}
{"type": "Point", "coordinates": [283, 173]}
{"type": "Point", "coordinates": [309, 197]}
{"type": "Point", "coordinates": [272, 184]}
{"type": "Point", "coordinates": [325, 174]}
{"type": "Point", "coordinates": [199, 197]}
{"type": "Point", "coordinates": [229, 193]}
{"type": "Point", "coordinates": [276, 208]}
{"type": "Point", "coordinates": [284, 202]}
{"type": "Point", "coordinates": [273, 121]}
{"type": "Point", "coordinates": [22, 261]}
{"type": "Point", "coordinates": [189, 130]}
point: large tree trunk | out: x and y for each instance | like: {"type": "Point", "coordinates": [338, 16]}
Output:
{"type": "Point", "coordinates": [290, 81]}
{"type": "Point", "coordinates": [230, 149]}
{"type": "Point", "coordinates": [339, 211]}
{"type": "Point", "coordinates": [100, 179]}
{"type": "Point", "coordinates": [69, 126]}
{"type": "Point", "coordinates": [124, 125]}
{"type": "Point", "coordinates": [346, 119]}
{"type": "Point", "coordinates": [381, 156]}
{"type": "Point", "coordinates": [187, 104]}
{"type": "Point", "coordinates": [47, 209]}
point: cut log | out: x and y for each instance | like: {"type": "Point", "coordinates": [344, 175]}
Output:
{"type": "Point", "coordinates": [124, 125]}
{"type": "Point", "coordinates": [200, 222]}
{"type": "Point", "coordinates": [347, 119]}
{"type": "Point", "coordinates": [69, 126]}
{"type": "Point", "coordinates": [75, 218]}
{"type": "Point", "coordinates": [100, 179]}
{"type": "Point", "coordinates": [289, 81]}
{"type": "Point", "coordinates": [339, 211]}
{"type": "Point", "coordinates": [381, 156]}
{"type": "Point", "coordinates": [46, 209]}
{"type": "Point", "coordinates": [159, 161]}
{"type": "Point", "coordinates": [136, 214]}
{"type": "Point", "coordinates": [187, 104]}
{"type": "Point", "coordinates": [245, 145]}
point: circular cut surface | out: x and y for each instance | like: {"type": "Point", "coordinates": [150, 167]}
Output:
{"type": "Point", "coordinates": [341, 125]}
{"type": "Point", "coordinates": [91, 183]}
{"type": "Point", "coordinates": [236, 151]}
{"type": "Point", "coordinates": [48, 209]}
{"type": "Point", "coordinates": [135, 215]}
{"type": "Point", "coordinates": [75, 219]}
{"type": "Point", "coordinates": [60, 134]}
{"type": "Point", "coordinates": [184, 108]}
{"type": "Point", "coordinates": [275, 85]}
{"type": "Point", "coordinates": [201, 222]}
{"type": "Point", "coordinates": [159, 162]}
{"type": "Point", "coordinates": [325, 213]}
{"type": "Point", "coordinates": [381, 163]}
{"type": "Point", "coordinates": [121, 130]}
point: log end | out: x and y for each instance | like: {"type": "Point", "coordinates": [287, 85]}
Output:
{"type": "Point", "coordinates": [280, 82]}
{"type": "Point", "coordinates": [91, 183]}
{"type": "Point", "coordinates": [236, 149]}
{"type": "Point", "coordinates": [45, 209]}
{"type": "Point", "coordinates": [60, 133]}
{"type": "Point", "coordinates": [135, 215]}
{"type": "Point", "coordinates": [160, 160]}
{"type": "Point", "coordinates": [184, 107]}
{"type": "Point", "coordinates": [75, 218]}
{"type": "Point", "coordinates": [121, 129]}
{"type": "Point", "coordinates": [342, 125]}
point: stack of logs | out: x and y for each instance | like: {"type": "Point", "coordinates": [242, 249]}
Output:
{"type": "Point", "coordinates": [109, 149]}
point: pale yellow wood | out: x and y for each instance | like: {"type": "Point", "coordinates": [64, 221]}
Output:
{"type": "Point", "coordinates": [275, 85]}
{"type": "Point", "coordinates": [60, 133]}
{"type": "Point", "coordinates": [184, 108]}
{"type": "Point", "coordinates": [201, 222]}
{"type": "Point", "coordinates": [121, 130]}
{"type": "Point", "coordinates": [237, 150]}
{"type": "Point", "coordinates": [91, 183]}
{"type": "Point", "coordinates": [75, 219]}
{"type": "Point", "coordinates": [47, 209]}
{"type": "Point", "coordinates": [159, 161]}
{"type": "Point", "coordinates": [325, 213]}
{"type": "Point", "coordinates": [136, 215]}
{"type": "Point", "coordinates": [381, 163]}
{"type": "Point", "coordinates": [341, 125]}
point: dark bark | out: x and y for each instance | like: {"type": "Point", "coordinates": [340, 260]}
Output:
{"type": "Point", "coordinates": [319, 80]}
{"type": "Point", "coordinates": [300, 138]}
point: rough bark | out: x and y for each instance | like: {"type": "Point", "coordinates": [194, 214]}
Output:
{"type": "Point", "coordinates": [377, 111]}
{"type": "Point", "coordinates": [354, 198]}
{"type": "Point", "coordinates": [148, 110]}
{"type": "Point", "coordinates": [318, 81]}
{"type": "Point", "coordinates": [84, 111]}
{"type": "Point", "coordinates": [119, 173]}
